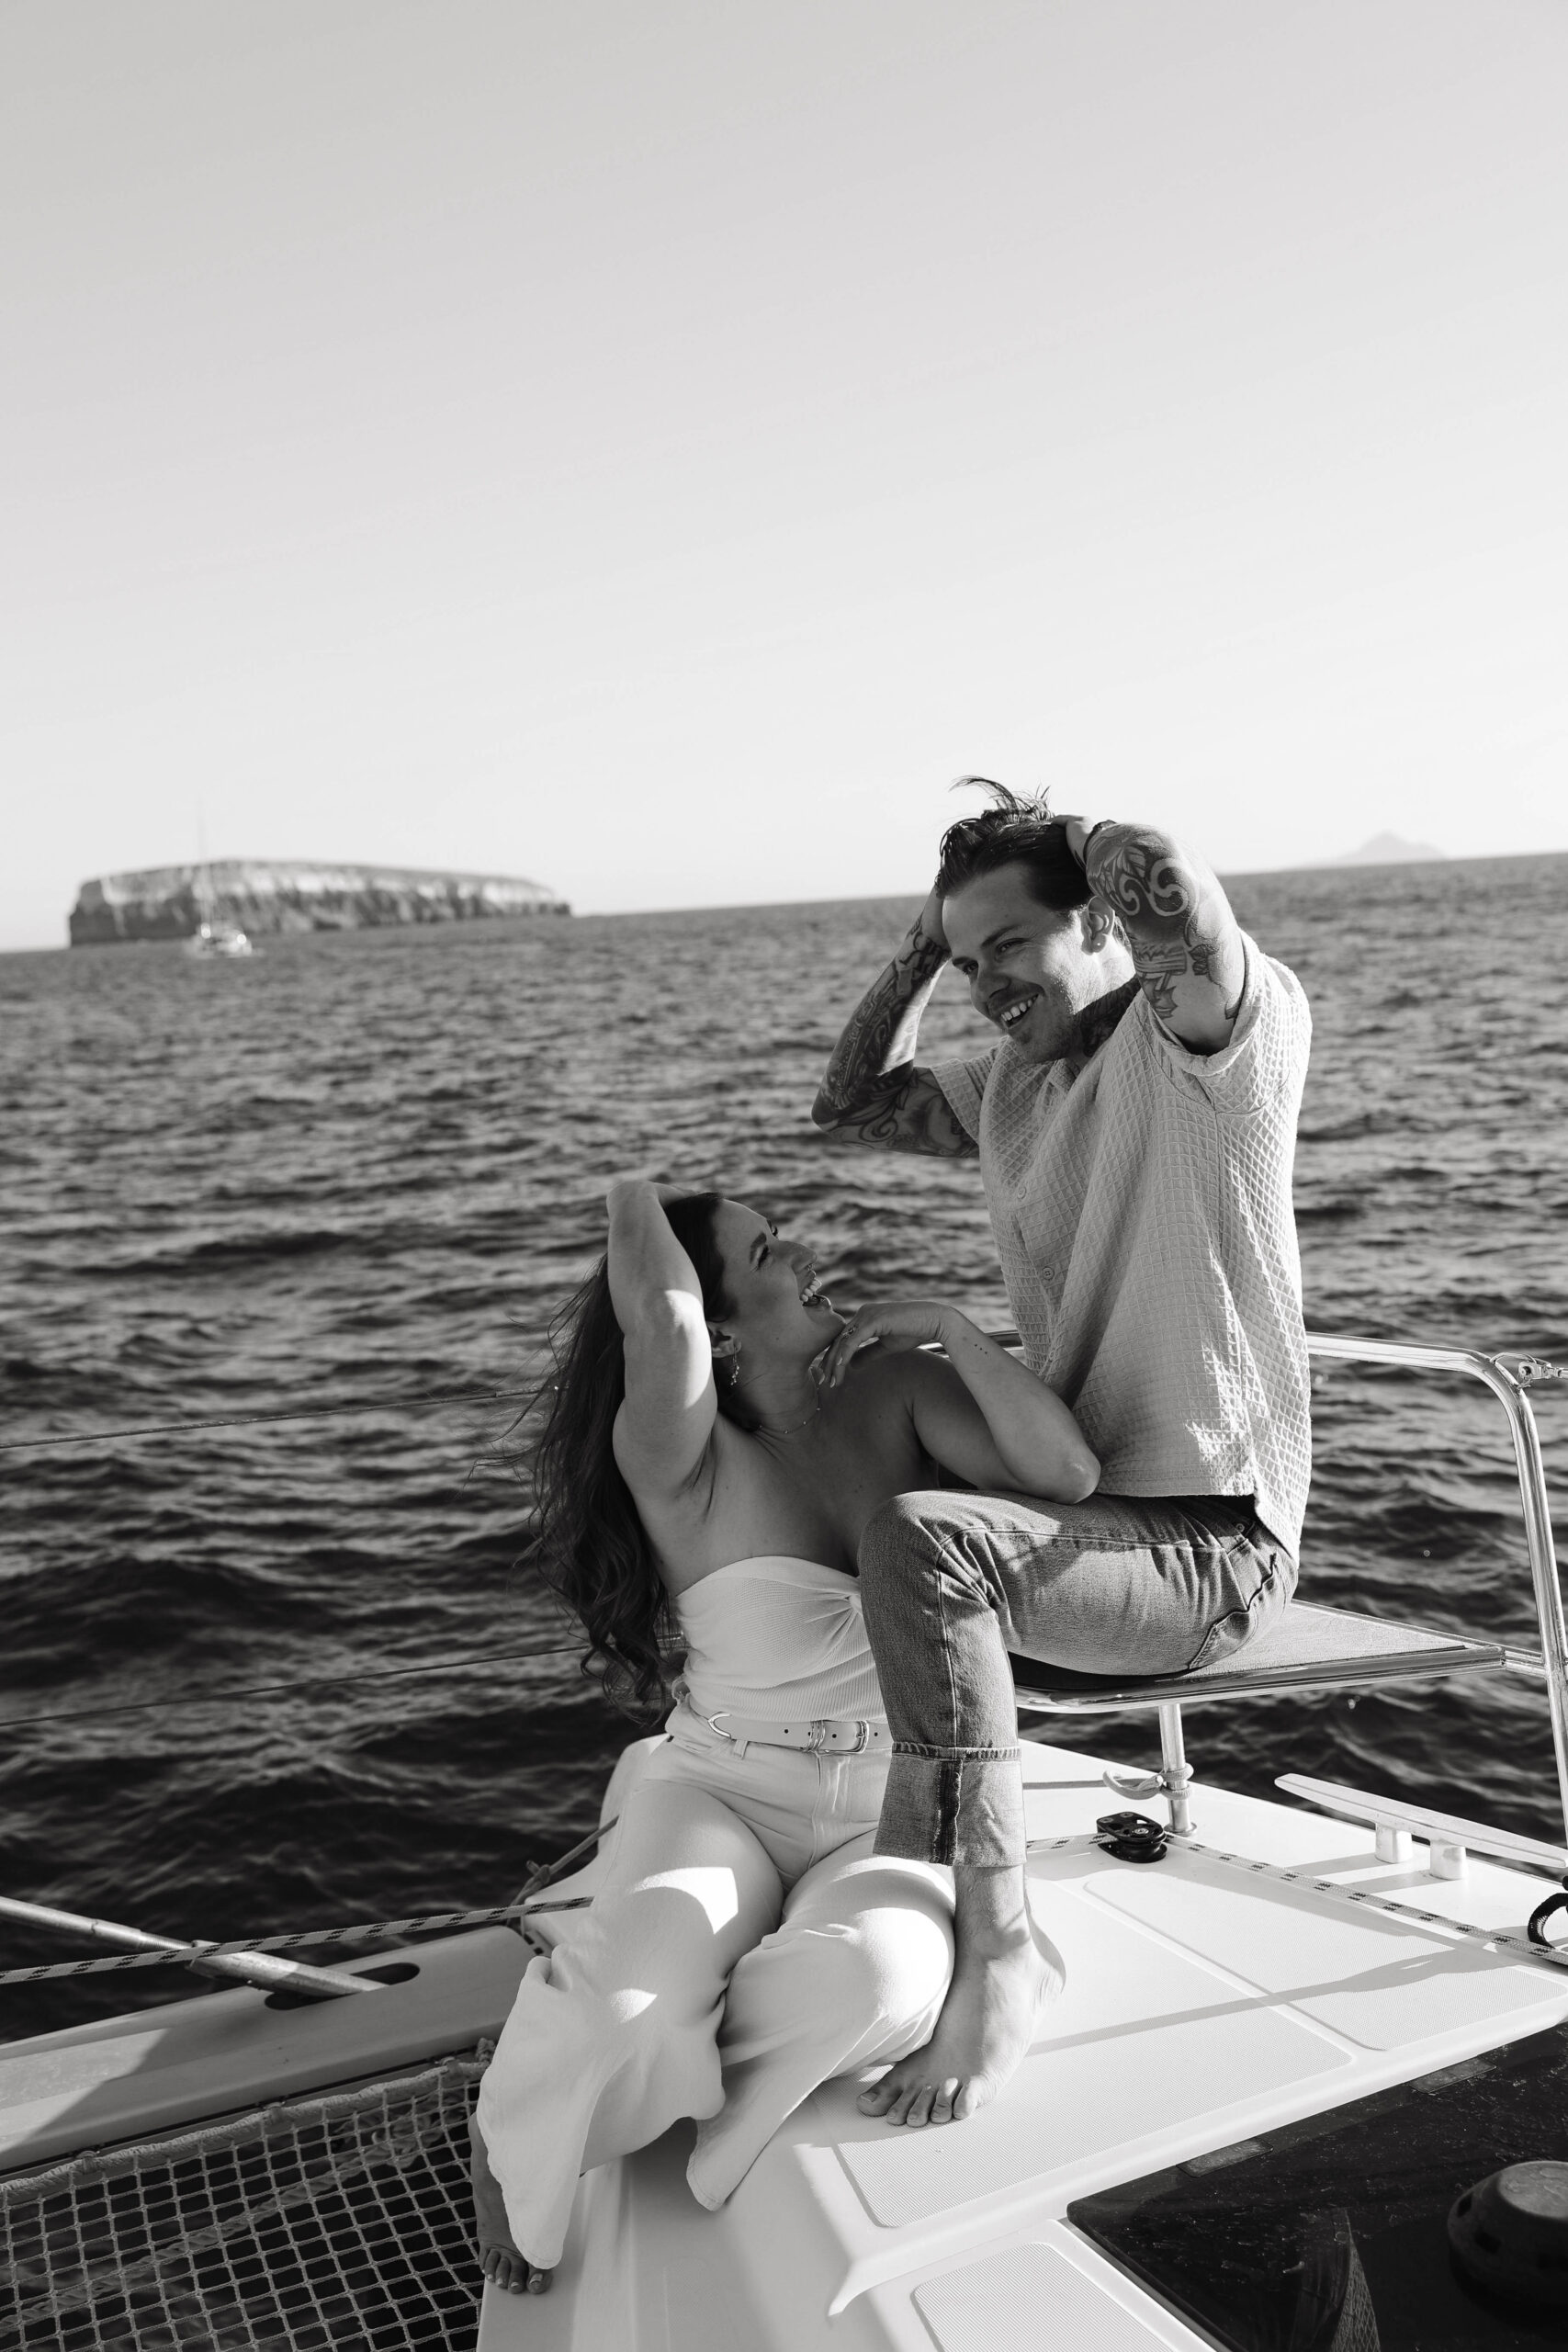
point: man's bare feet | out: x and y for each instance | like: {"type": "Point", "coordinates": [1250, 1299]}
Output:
{"type": "Point", "coordinates": [1003, 1973]}
{"type": "Point", "coordinates": [499, 2257]}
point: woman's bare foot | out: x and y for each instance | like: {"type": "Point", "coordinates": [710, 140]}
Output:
{"type": "Point", "coordinates": [1004, 1972]}
{"type": "Point", "coordinates": [499, 2257]}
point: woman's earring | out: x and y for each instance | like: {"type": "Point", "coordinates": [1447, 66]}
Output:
{"type": "Point", "coordinates": [726, 1353]}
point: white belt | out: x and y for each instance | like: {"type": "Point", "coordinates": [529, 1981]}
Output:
{"type": "Point", "coordinates": [843, 1738]}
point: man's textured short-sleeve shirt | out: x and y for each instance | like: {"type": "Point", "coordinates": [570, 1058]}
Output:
{"type": "Point", "coordinates": [1143, 1217]}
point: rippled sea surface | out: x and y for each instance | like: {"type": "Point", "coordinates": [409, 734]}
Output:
{"type": "Point", "coordinates": [288, 1674]}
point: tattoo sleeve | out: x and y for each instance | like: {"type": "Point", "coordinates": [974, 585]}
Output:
{"type": "Point", "coordinates": [1186, 948]}
{"type": "Point", "coordinates": [872, 1093]}
{"type": "Point", "coordinates": [880, 1032]}
{"type": "Point", "coordinates": [905, 1111]}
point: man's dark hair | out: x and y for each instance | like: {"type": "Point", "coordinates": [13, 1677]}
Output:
{"type": "Point", "coordinates": [1015, 831]}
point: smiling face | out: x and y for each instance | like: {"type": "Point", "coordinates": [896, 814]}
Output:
{"type": "Point", "coordinates": [778, 1312]}
{"type": "Point", "coordinates": [1033, 970]}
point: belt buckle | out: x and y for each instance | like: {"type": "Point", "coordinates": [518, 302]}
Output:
{"type": "Point", "coordinates": [714, 1723]}
{"type": "Point", "coordinates": [822, 1736]}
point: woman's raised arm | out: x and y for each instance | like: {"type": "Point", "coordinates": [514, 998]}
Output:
{"type": "Point", "coordinates": [664, 1428]}
{"type": "Point", "coordinates": [983, 1414]}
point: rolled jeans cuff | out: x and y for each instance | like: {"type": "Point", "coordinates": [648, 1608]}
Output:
{"type": "Point", "coordinates": [966, 1807]}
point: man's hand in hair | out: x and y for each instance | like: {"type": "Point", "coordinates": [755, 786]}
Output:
{"type": "Point", "coordinates": [1187, 948]}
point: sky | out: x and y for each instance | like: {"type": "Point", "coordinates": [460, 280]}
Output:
{"type": "Point", "coordinates": [655, 451]}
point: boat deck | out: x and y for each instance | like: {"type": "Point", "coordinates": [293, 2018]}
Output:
{"type": "Point", "coordinates": [1206, 2002]}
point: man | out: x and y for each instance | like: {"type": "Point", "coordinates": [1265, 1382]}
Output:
{"type": "Point", "coordinates": [1135, 1127]}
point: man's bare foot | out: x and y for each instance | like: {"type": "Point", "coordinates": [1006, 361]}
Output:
{"type": "Point", "coordinates": [1003, 1973]}
{"type": "Point", "coordinates": [499, 2257]}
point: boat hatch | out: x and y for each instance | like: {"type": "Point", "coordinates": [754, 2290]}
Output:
{"type": "Point", "coordinates": [1343, 2217]}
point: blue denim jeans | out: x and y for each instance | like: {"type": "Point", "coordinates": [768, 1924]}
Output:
{"type": "Point", "coordinates": [1119, 1585]}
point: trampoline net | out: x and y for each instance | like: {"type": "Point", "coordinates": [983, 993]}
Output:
{"type": "Point", "coordinates": [336, 2221]}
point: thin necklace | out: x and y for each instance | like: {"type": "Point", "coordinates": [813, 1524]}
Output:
{"type": "Point", "coordinates": [790, 1429]}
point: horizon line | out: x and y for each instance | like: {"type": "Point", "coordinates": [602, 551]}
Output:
{"type": "Point", "coordinates": [1350, 864]}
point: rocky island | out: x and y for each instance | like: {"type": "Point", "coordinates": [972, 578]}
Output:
{"type": "Point", "coordinates": [258, 895]}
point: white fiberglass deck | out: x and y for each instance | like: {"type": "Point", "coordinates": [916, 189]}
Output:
{"type": "Point", "coordinates": [1204, 2003]}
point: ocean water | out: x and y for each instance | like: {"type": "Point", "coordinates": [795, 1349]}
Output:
{"type": "Point", "coordinates": [290, 1674]}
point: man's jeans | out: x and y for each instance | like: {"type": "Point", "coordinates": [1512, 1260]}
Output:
{"type": "Point", "coordinates": [1118, 1585]}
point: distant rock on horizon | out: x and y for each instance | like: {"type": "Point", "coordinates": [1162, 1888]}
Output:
{"type": "Point", "coordinates": [1388, 849]}
{"type": "Point", "coordinates": [264, 894]}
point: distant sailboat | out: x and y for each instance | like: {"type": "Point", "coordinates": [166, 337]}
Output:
{"type": "Point", "coordinates": [214, 935]}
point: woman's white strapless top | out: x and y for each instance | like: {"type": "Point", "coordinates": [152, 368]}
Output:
{"type": "Point", "coordinates": [779, 1639]}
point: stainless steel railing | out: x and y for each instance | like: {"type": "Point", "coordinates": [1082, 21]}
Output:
{"type": "Point", "coordinates": [1511, 1389]}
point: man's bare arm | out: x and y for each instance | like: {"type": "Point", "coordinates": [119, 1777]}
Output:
{"type": "Point", "coordinates": [873, 1091]}
{"type": "Point", "coordinates": [1186, 949]}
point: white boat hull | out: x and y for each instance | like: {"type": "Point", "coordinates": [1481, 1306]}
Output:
{"type": "Point", "coordinates": [1205, 2003]}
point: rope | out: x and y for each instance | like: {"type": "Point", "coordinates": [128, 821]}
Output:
{"type": "Point", "coordinates": [498, 1915]}
{"type": "Point", "coordinates": [1495, 1938]}
{"type": "Point", "coordinates": [255, 1420]}
{"type": "Point", "coordinates": [274, 1689]}
{"type": "Point", "coordinates": [111, 1964]}
{"type": "Point", "coordinates": [432, 1922]}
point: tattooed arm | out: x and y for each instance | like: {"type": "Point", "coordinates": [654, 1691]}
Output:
{"type": "Point", "coordinates": [873, 1091]}
{"type": "Point", "coordinates": [1187, 950]}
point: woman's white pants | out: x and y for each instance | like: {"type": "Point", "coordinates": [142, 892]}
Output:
{"type": "Point", "coordinates": [744, 1945]}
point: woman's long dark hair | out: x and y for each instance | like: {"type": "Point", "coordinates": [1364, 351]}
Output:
{"type": "Point", "coordinates": [590, 1544]}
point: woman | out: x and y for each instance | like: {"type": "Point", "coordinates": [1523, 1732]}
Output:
{"type": "Point", "coordinates": [704, 1477]}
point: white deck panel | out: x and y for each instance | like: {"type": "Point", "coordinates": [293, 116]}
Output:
{"type": "Point", "coordinates": [1202, 2005]}
{"type": "Point", "coordinates": [1037, 2298]}
{"type": "Point", "coordinates": [1142, 2041]}
{"type": "Point", "coordinates": [1378, 1981]}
